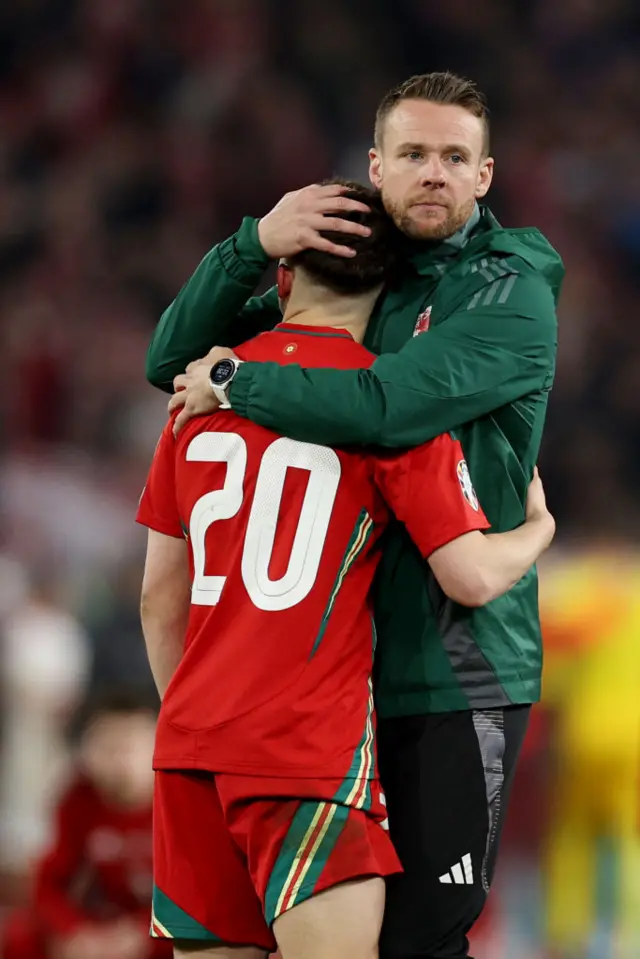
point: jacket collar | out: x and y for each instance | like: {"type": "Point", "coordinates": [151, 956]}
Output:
{"type": "Point", "coordinates": [429, 259]}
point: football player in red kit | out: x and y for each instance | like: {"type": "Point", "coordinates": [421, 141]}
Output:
{"type": "Point", "coordinates": [270, 823]}
{"type": "Point", "coordinates": [92, 889]}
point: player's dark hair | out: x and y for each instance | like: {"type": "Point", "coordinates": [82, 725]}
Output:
{"type": "Point", "coordinates": [112, 701]}
{"type": "Point", "coordinates": [445, 87]}
{"type": "Point", "coordinates": [376, 254]}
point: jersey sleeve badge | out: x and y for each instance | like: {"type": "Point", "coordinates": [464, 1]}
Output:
{"type": "Point", "coordinates": [464, 478]}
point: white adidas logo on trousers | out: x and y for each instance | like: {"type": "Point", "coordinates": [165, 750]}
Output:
{"type": "Point", "coordinates": [461, 874]}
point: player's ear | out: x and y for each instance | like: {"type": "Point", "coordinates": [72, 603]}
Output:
{"type": "Point", "coordinates": [284, 281]}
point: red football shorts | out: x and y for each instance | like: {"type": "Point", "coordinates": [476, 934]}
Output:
{"type": "Point", "coordinates": [232, 853]}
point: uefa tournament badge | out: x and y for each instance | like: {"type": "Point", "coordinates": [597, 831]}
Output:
{"type": "Point", "coordinates": [423, 321]}
{"type": "Point", "coordinates": [464, 478]}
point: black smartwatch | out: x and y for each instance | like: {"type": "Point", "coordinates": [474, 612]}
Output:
{"type": "Point", "coordinates": [221, 377]}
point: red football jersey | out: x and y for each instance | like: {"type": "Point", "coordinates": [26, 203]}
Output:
{"type": "Point", "coordinates": [275, 679]}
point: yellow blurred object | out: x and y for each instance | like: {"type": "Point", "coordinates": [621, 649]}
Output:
{"type": "Point", "coordinates": [590, 608]}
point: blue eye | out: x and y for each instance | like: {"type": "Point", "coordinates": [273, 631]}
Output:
{"type": "Point", "coordinates": [414, 155]}
{"type": "Point", "coordinates": [456, 159]}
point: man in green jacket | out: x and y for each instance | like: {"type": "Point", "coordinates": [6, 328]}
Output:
{"type": "Point", "coordinates": [467, 342]}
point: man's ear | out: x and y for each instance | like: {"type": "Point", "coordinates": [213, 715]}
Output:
{"type": "Point", "coordinates": [284, 282]}
{"type": "Point", "coordinates": [375, 168]}
{"type": "Point", "coordinates": [485, 176]}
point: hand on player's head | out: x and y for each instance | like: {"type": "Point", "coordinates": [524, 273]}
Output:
{"type": "Point", "coordinates": [375, 253]}
{"type": "Point", "coordinates": [300, 218]}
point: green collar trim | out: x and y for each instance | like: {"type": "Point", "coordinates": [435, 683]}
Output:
{"type": "Point", "coordinates": [430, 258]}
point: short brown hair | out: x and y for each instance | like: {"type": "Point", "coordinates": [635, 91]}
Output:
{"type": "Point", "coordinates": [436, 88]}
{"type": "Point", "coordinates": [375, 255]}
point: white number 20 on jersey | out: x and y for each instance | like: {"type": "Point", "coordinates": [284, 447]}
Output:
{"type": "Point", "coordinates": [323, 466]}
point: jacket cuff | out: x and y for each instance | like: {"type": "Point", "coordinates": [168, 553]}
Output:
{"type": "Point", "coordinates": [240, 388]}
{"type": "Point", "coordinates": [242, 255]}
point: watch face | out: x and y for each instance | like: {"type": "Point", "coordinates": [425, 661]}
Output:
{"type": "Point", "coordinates": [221, 372]}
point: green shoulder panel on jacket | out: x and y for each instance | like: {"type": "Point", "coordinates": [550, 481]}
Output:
{"type": "Point", "coordinates": [526, 244]}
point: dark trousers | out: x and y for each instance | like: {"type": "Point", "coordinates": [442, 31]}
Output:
{"type": "Point", "coordinates": [447, 779]}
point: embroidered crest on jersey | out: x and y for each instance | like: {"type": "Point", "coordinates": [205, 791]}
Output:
{"type": "Point", "coordinates": [464, 478]}
{"type": "Point", "coordinates": [290, 348]}
{"type": "Point", "coordinates": [423, 321]}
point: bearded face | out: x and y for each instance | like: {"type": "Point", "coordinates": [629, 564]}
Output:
{"type": "Point", "coordinates": [430, 167]}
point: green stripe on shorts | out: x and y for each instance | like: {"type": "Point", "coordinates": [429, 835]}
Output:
{"type": "Point", "coordinates": [289, 856]}
{"type": "Point", "coordinates": [322, 855]}
{"type": "Point", "coordinates": [311, 838]}
{"type": "Point", "coordinates": [177, 923]}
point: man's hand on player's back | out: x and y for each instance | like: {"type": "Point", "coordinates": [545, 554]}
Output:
{"type": "Point", "coordinates": [296, 220]}
{"type": "Point", "coordinates": [193, 388]}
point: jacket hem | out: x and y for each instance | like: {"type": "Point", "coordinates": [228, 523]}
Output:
{"type": "Point", "coordinates": [449, 700]}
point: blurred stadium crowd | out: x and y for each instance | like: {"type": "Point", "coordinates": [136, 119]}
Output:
{"type": "Point", "coordinates": [136, 133]}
